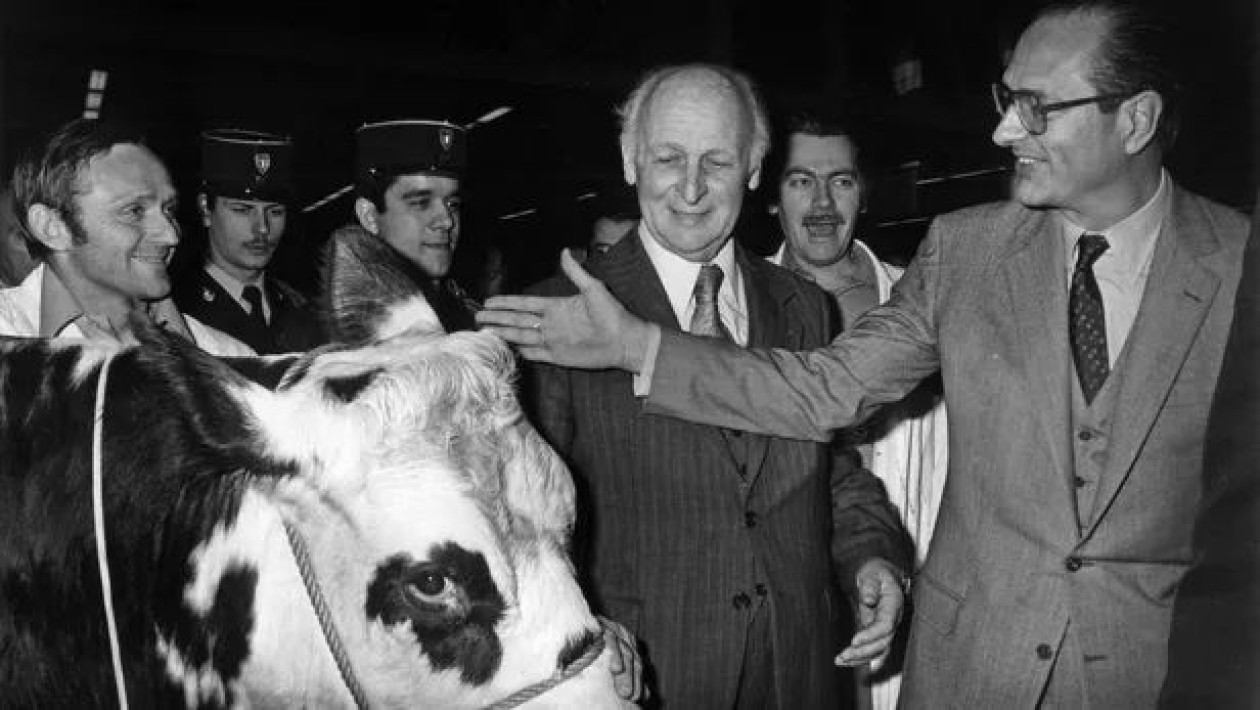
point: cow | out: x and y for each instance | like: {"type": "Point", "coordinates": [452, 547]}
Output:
{"type": "Point", "coordinates": [371, 524]}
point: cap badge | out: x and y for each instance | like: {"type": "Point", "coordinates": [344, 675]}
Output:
{"type": "Point", "coordinates": [262, 161]}
{"type": "Point", "coordinates": [446, 137]}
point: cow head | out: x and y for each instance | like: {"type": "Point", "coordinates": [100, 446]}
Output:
{"type": "Point", "coordinates": [435, 519]}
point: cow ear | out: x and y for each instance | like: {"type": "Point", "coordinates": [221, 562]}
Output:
{"type": "Point", "coordinates": [205, 396]}
{"type": "Point", "coordinates": [371, 291]}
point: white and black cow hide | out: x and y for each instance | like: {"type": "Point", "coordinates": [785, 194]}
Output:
{"type": "Point", "coordinates": [437, 522]}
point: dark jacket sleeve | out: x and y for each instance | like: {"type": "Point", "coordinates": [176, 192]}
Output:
{"type": "Point", "coordinates": [864, 523]}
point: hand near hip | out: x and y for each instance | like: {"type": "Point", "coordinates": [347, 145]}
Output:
{"type": "Point", "coordinates": [879, 604]}
{"type": "Point", "coordinates": [590, 330]}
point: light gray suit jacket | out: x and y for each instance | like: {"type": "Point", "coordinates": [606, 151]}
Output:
{"type": "Point", "coordinates": [984, 302]}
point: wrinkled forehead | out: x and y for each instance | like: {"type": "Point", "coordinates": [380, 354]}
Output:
{"type": "Point", "coordinates": [125, 171]}
{"type": "Point", "coordinates": [1056, 54]}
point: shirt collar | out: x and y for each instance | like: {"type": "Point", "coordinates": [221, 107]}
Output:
{"type": "Point", "coordinates": [678, 275]}
{"type": "Point", "coordinates": [230, 283]}
{"type": "Point", "coordinates": [58, 308]}
{"type": "Point", "coordinates": [1131, 241]}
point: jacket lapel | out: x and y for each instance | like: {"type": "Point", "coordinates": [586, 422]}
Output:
{"type": "Point", "coordinates": [771, 324]}
{"type": "Point", "coordinates": [1178, 294]}
{"type": "Point", "coordinates": [1037, 284]}
{"type": "Point", "coordinates": [628, 273]}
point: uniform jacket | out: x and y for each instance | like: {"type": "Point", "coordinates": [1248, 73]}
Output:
{"type": "Point", "coordinates": [675, 542]}
{"type": "Point", "coordinates": [1012, 559]}
{"type": "Point", "coordinates": [293, 326]}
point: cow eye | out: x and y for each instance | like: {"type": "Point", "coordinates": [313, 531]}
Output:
{"type": "Point", "coordinates": [428, 586]}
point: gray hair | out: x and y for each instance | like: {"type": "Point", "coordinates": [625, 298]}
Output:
{"type": "Point", "coordinates": [631, 111]}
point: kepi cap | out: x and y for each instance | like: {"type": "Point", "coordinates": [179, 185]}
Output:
{"type": "Point", "coordinates": [409, 147]}
{"type": "Point", "coordinates": [249, 165]}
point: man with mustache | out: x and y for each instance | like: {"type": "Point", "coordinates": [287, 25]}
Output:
{"type": "Point", "coordinates": [821, 192]}
{"type": "Point", "coordinates": [246, 185]}
{"type": "Point", "coordinates": [97, 209]}
{"type": "Point", "coordinates": [1079, 329]}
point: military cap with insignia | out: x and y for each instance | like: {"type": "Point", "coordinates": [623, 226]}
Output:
{"type": "Point", "coordinates": [248, 165]}
{"type": "Point", "coordinates": [410, 147]}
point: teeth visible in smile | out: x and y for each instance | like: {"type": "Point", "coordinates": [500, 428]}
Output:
{"type": "Point", "coordinates": [1024, 161]}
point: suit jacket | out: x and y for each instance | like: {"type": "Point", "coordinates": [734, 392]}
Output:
{"type": "Point", "coordinates": [293, 326]}
{"type": "Point", "coordinates": [675, 541]}
{"type": "Point", "coordinates": [1010, 564]}
{"type": "Point", "coordinates": [1214, 652]}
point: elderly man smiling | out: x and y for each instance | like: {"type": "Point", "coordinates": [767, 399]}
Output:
{"type": "Point", "coordinates": [714, 547]}
{"type": "Point", "coordinates": [1079, 330]}
{"type": "Point", "coordinates": [98, 209]}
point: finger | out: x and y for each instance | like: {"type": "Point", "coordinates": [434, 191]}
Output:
{"type": "Point", "coordinates": [528, 304]}
{"type": "Point", "coordinates": [514, 319]}
{"type": "Point", "coordinates": [857, 655]}
{"type": "Point", "coordinates": [576, 273]}
{"type": "Point", "coordinates": [616, 662]}
{"type": "Point", "coordinates": [523, 337]}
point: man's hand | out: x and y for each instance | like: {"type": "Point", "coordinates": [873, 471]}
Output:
{"type": "Point", "coordinates": [624, 661]}
{"type": "Point", "coordinates": [590, 330]}
{"type": "Point", "coordinates": [879, 604]}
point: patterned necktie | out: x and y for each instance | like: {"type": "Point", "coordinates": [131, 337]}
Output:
{"type": "Point", "coordinates": [706, 320]}
{"type": "Point", "coordinates": [253, 296]}
{"type": "Point", "coordinates": [1087, 326]}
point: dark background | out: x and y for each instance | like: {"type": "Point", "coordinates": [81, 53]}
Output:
{"type": "Point", "coordinates": [316, 72]}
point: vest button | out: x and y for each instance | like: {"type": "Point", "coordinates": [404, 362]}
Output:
{"type": "Point", "coordinates": [750, 519]}
{"type": "Point", "coordinates": [1084, 435]}
{"type": "Point", "coordinates": [1072, 563]}
{"type": "Point", "coordinates": [1044, 652]}
{"type": "Point", "coordinates": [741, 601]}
{"type": "Point", "coordinates": [1080, 482]}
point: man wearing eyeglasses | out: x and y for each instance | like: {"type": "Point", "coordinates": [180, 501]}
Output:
{"type": "Point", "coordinates": [1079, 330]}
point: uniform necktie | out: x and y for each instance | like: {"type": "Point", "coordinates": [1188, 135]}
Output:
{"type": "Point", "coordinates": [1087, 325]}
{"type": "Point", "coordinates": [253, 296]}
{"type": "Point", "coordinates": [705, 319]}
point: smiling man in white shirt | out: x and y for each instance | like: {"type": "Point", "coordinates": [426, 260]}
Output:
{"type": "Point", "coordinates": [98, 210]}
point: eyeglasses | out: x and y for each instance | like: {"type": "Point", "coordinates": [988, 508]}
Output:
{"type": "Point", "coordinates": [1032, 113]}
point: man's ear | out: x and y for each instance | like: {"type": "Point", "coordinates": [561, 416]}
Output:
{"type": "Point", "coordinates": [203, 208]}
{"type": "Point", "coordinates": [1139, 119]}
{"type": "Point", "coordinates": [366, 212]}
{"type": "Point", "coordinates": [49, 228]}
{"type": "Point", "coordinates": [628, 169]}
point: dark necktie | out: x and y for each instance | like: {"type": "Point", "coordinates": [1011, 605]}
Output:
{"type": "Point", "coordinates": [1087, 325]}
{"type": "Point", "coordinates": [253, 296]}
{"type": "Point", "coordinates": [706, 319]}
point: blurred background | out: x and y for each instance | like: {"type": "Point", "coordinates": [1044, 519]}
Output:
{"type": "Point", "coordinates": [540, 78]}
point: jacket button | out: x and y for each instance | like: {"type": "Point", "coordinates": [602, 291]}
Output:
{"type": "Point", "coordinates": [750, 519]}
{"type": "Point", "coordinates": [1080, 482]}
{"type": "Point", "coordinates": [741, 601]}
{"type": "Point", "coordinates": [1085, 435]}
{"type": "Point", "coordinates": [1072, 563]}
{"type": "Point", "coordinates": [761, 589]}
{"type": "Point", "coordinates": [1044, 652]}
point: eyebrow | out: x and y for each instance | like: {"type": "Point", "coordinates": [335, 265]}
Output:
{"type": "Point", "coordinates": [806, 171]}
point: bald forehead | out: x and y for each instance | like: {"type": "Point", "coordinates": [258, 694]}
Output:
{"type": "Point", "coordinates": [697, 84]}
{"type": "Point", "coordinates": [1059, 42]}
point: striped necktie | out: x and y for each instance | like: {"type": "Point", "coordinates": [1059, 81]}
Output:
{"type": "Point", "coordinates": [706, 319]}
